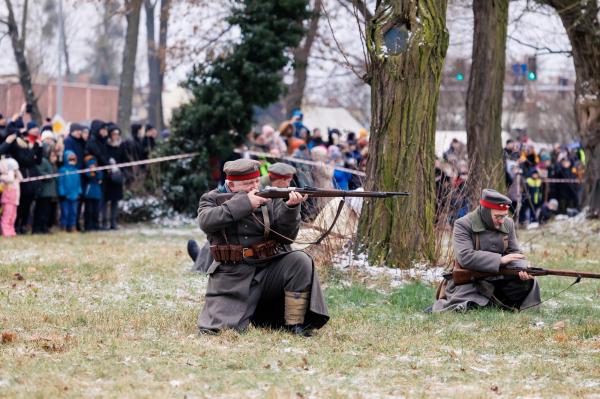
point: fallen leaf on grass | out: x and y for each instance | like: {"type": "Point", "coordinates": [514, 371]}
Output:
{"type": "Point", "coordinates": [560, 337]}
{"type": "Point", "coordinates": [304, 363]}
{"type": "Point", "coordinates": [8, 337]}
{"type": "Point", "coordinates": [19, 276]}
{"type": "Point", "coordinates": [559, 325]}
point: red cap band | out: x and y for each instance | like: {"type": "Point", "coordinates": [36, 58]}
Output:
{"type": "Point", "coordinates": [247, 176]}
{"type": "Point", "coordinates": [275, 176]}
{"type": "Point", "coordinates": [490, 205]}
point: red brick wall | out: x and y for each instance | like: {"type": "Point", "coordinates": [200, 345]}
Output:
{"type": "Point", "coordinates": [81, 102]}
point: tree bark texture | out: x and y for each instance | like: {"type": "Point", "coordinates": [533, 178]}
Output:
{"type": "Point", "coordinates": [580, 19]}
{"type": "Point", "coordinates": [404, 94]}
{"type": "Point", "coordinates": [18, 45]}
{"type": "Point", "coordinates": [156, 60]}
{"type": "Point", "coordinates": [133, 10]}
{"type": "Point", "coordinates": [295, 93]}
{"type": "Point", "coordinates": [484, 98]}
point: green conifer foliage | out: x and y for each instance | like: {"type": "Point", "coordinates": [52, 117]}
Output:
{"type": "Point", "coordinates": [226, 92]}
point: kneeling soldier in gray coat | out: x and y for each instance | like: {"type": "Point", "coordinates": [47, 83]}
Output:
{"type": "Point", "coordinates": [254, 278]}
{"type": "Point", "coordinates": [485, 240]}
{"type": "Point", "coordinates": [280, 175]}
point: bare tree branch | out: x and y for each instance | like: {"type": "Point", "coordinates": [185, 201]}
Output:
{"type": "Point", "coordinates": [359, 5]}
{"type": "Point", "coordinates": [24, 22]}
{"type": "Point", "coordinates": [339, 47]}
{"type": "Point", "coordinates": [543, 50]}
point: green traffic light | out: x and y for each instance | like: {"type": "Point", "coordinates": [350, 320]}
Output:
{"type": "Point", "coordinates": [531, 75]}
{"type": "Point", "coordinates": [460, 76]}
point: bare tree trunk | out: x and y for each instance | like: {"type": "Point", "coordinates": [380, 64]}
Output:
{"type": "Point", "coordinates": [580, 19]}
{"type": "Point", "coordinates": [405, 87]}
{"type": "Point", "coordinates": [484, 98]}
{"type": "Point", "coordinates": [18, 45]}
{"type": "Point", "coordinates": [133, 10]}
{"type": "Point", "coordinates": [165, 13]}
{"type": "Point", "coordinates": [156, 60]}
{"type": "Point", "coordinates": [295, 93]}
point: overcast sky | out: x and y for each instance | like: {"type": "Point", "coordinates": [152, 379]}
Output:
{"type": "Point", "coordinates": [541, 29]}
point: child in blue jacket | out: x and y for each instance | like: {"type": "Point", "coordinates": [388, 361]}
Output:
{"type": "Point", "coordinates": [92, 195]}
{"type": "Point", "coordinates": [69, 190]}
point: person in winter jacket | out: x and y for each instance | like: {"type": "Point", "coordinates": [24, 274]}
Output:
{"type": "Point", "coordinates": [69, 190]}
{"type": "Point", "coordinates": [97, 143]}
{"type": "Point", "coordinates": [114, 179]}
{"type": "Point", "coordinates": [534, 197]}
{"type": "Point", "coordinates": [27, 151]}
{"type": "Point", "coordinates": [76, 143]}
{"type": "Point", "coordinates": [10, 178]}
{"type": "Point", "coordinates": [92, 194]}
{"type": "Point", "coordinates": [45, 204]}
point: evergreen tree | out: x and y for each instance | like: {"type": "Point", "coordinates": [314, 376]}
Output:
{"type": "Point", "coordinates": [226, 92]}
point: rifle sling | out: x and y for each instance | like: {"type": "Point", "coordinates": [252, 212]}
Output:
{"type": "Point", "coordinates": [318, 241]}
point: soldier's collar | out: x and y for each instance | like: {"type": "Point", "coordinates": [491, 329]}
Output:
{"type": "Point", "coordinates": [477, 225]}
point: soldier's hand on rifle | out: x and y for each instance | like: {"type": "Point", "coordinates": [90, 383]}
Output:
{"type": "Point", "coordinates": [296, 198]}
{"type": "Point", "coordinates": [255, 200]}
{"type": "Point", "coordinates": [525, 276]}
{"type": "Point", "coordinates": [506, 259]}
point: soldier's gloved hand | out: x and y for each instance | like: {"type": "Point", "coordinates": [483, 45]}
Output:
{"type": "Point", "coordinates": [295, 198]}
{"type": "Point", "coordinates": [255, 200]}
{"type": "Point", "coordinates": [506, 259]}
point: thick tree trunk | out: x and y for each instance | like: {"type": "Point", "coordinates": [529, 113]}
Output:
{"type": "Point", "coordinates": [580, 19]}
{"type": "Point", "coordinates": [484, 98]}
{"type": "Point", "coordinates": [18, 45]}
{"type": "Point", "coordinates": [156, 54]}
{"type": "Point", "coordinates": [404, 94]}
{"type": "Point", "coordinates": [133, 10]}
{"type": "Point", "coordinates": [295, 92]}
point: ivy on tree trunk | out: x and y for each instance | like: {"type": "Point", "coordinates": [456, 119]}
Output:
{"type": "Point", "coordinates": [406, 42]}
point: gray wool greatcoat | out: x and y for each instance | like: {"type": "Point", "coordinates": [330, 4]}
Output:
{"type": "Point", "coordinates": [231, 292]}
{"type": "Point", "coordinates": [486, 259]}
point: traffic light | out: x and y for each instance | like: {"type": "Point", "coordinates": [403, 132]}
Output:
{"type": "Point", "coordinates": [460, 77]}
{"type": "Point", "coordinates": [532, 68]}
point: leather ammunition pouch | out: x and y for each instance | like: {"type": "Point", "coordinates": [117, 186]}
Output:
{"type": "Point", "coordinates": [235, 253]}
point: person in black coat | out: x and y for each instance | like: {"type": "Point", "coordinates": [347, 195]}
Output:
{"type": "Point", "coordinates": [97, 143]}
{"type": "Point", "coordinates": [27, 150]}
{"type": "Point", "coordinates": [115, 179]}
{"type": "Point", "coordinates": [566, 192]}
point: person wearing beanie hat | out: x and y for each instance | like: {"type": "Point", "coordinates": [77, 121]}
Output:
{"type": "Point", "coordinates": [92, 194]}
{"type": "Point", "coordinates": [485, 240]}
{"type": "Point", "coordinates": [69, 191]}
{"type": "Point", "coordinates": [254, 279]}
{"type": "Point", "coordinates": [279, 175]}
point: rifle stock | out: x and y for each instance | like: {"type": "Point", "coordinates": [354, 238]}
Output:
{"type": "Point", "coordinates": [462, 276]}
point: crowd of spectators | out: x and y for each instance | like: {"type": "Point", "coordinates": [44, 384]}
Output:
{"type": "Point", "coordinates": [28, 150]}
{"type": "Point", "coordinates": [334, 152]}
{"type": "Point", "coordinates": [542, 181]}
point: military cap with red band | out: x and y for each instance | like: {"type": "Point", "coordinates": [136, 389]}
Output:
{"type": "Point", "coordinates": [492, 199]}
{"type": "Point", "coordinates": [280, 170]}
{"type": "Point", "coordinates": [242, 169]}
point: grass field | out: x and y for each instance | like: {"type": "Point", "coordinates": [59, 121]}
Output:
{"type": "Point", "coordinates": [113, 315]}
